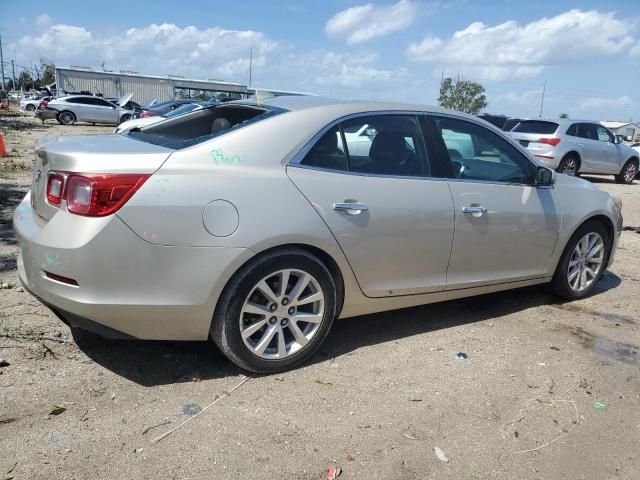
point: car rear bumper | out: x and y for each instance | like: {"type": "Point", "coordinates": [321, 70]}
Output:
{"type": "Point", "coordinates": [124, 284]}
{"type": "Point", "coordinates": [46, 114]}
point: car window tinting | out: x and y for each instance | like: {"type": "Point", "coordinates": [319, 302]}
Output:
{"type": "Point", "coordinates": [573, 130]}
{"type": "Point", "coordinates": [386, 145]}
{"type": "Point", "coordinates": [476, 153]}
{"type": "Point", "coordinates": [328, 152]}
{"type": "Point", "coordinates": [536, 126]}
{"type": "Point", "coordinates": [586, 130]}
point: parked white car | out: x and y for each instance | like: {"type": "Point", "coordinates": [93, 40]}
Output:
{"type": "Point", "coordinates": [86, 108]}
{"type": "Point", "coordinates": [146, 121]}
{"type": "Point", "coordinates": [31, 104]}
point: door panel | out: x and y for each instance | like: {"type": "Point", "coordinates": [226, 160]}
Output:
{"type": "Point", "coordinates": [609, 156]}
{"type": "Point", "coordinates": [512, 240]}
{"type": "Point", "coordinates": [591, 148]}
{"type": "Point", "coordinates": [401, 244]}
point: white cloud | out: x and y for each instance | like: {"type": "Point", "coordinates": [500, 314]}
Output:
{"type": "Point", "coordinates": [528, 97]}
{"type": "Point", "coordinates": [604, 103]}
{"type": "Point", "coordinates": [364, 22]}
{"type": "Point", "coordinates": [635, 51]}
{"type": "Point", "coordinates": [512, 50]}
{"type": "Point", "coordinates": [158, 49]}
{"type": "Point", "coordinates": [43, 20]}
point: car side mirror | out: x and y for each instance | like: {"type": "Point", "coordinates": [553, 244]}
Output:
{"type": "Point", "coordinates": [618, 139]}
{"type": "Point", "coordinates": [545, 177]}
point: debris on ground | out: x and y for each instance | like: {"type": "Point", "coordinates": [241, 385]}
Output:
{"type": "Point", "coordinates": [409, 436]}
{"type": "Point", "coordinates": [4, 363]}
{"type": "Point", "coordinates": [461, 356]}
{"type": "Point", "coordinates": [56, 410]}
{"type": "Point", "coordinates": [161, 424]}
{"type": "Point", "coordinates": [598, 405]}
{"type": "Point", "coordinates": [323, 382]}
{"type": "Point", "coordinates": [333, 472]}
{"type": "Point", "coordinates": [440, 454]}
{"type": "Point", "coordinates": [191, 409]}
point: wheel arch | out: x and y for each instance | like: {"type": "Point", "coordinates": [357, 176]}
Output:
{"type": "Point", "coordinates": [600, 218]}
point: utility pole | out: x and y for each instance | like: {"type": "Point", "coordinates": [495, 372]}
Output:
{"type": "Point", "coordinates": [13, 69]}
{"type": "Point", "coordinates": [250, 65]}
{"type": "Point", "coordinates": [544, 88]}
{"type": "Point", "coordinates": [2, 63]}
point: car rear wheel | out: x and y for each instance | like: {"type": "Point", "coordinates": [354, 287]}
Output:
{"type": "Point", "coordinates": [66, 118]}
{"type": "Point", "coordinates": [125, 118]}
{"type": "Point", "coordinates": [30, 107]}
{"type": "Point", "coordinates": [583, 262]}
{"type": "Point", "coordinates": [275, 312]}
{"type": "Point", "coordinates": [568, 166]}
{"type": "Point", "coordinates": [628, 172]}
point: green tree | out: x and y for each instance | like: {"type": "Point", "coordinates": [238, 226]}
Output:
{"type": "Point", "coordinates": [462, 95]}
{"type": "Point", "coordinates": [564, 115]}
{"type": "Point", "coordinates": [47, 72]}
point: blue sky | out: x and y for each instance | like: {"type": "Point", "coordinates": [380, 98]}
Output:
{"type": "Point", "coordinates": [588, 52]}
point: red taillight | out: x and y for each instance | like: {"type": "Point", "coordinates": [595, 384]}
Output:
{"type": "Point", "coordinates": [147, 113]}
{"type": "Point", "coordinates": [97, 195]}
{"type": "Point", "coordinates": [55, 188]}
{"type": "Point", "coordinates": [43, 105]}
{"type": "Point", "coordinates": [549, 141]}
{"type": "Point", "coordinates": [90, 194]}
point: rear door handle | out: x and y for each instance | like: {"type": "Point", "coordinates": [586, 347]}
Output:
{"type": "Point", "coordinates": [351, 208]}
{"type": "Point", "coordinates": [475, 211]}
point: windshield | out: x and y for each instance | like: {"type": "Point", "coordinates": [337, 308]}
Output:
{"type": "Point", "coordinates": [536, 126]}
{"type": "Point", "coordinates": [182, 110]}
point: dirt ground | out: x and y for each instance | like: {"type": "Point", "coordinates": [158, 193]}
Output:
{"type": "Point", "coordinates": [548, 390]}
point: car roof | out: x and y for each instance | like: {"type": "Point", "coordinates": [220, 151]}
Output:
{"type": "Point", "coordinates": [345, 106]}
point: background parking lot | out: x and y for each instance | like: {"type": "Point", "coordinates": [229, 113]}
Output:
{"type": "Point", "coordinates": [543, 389]}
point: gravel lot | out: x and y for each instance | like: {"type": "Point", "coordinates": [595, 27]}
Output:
{"type": "Point", "coordinates": [548, 390]}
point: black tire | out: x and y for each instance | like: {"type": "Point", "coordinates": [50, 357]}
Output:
{"type": "Point", "coordinates": [30, 107]}
{"type": "Point", "coordinates": [629, 172]}
{"type": "Point", "coordinates": [225, 327]}
{"type": "Point", "coordinates": [560, 282]}
{"type": "Point", "coordinates": [569, 165]}
{"type": "Point", "coordinates": [66, 118]}
{"type": "Point", "coordinates": [125, 118]}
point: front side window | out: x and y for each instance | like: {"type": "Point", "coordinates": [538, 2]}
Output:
{"type": "Point", "coordinates": [604, 135]}
{"type": "Point", "coordinates": [476, 153]}
{"type": "Point", "coordinates": [377, 144]}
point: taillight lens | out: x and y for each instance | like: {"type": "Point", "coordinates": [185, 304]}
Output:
{"type": "Point", "coordinates": [549, 141]}
{"type": "Point", "coordinates": [93, 195]}
{"type": "Point", "coordinates": [146, 113]}
{"type": "Point", "coordinates": [55, 188]}
{"type": "Point", "coordinates": [43, 105]}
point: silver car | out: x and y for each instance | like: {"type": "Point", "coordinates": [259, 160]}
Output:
{"type": "Point", "coordinates": [576, 146]}
{"type": "Point", "coordinates": [255, 223]}
{"type": "Point", "coordinates": [86, 108]}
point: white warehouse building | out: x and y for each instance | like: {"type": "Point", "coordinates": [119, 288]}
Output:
{"type": "Point", "coordinates": [144, 87]}
{"type": "Point", "coordinates": [628, 130]}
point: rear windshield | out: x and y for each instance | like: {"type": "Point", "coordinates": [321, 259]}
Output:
{"type": "Point", "coordinates": [202, 125]}
{"type": "Point", "coordinates": [536, 126]}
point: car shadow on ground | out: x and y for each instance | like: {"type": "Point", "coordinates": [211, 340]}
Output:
{"type": "Point", "coordinates": [160, 363]}
{"type": "Point", "coordinates": [11, 194]}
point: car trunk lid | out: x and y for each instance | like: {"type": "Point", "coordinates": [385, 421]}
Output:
{"type": "Point", "coordinates": [89, 154]}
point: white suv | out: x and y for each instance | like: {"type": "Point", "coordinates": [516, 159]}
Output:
{"type": "Point", "coordinates": [574, 146]}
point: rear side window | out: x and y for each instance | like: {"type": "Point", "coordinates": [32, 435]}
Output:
{"type": "Point", "coordinates": [573, 130]}
{"type": "Point", "coordinates": [328, 152]}
{"type": "Point", "coordinates": [539, 127]}
{"type": "Point", "coordinates": [378, 145]}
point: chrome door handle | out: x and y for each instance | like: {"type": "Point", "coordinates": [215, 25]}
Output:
{"type": "Point", "coordinates": [474, 210]}
{"type": "Point", "coordinates": [351, 208]}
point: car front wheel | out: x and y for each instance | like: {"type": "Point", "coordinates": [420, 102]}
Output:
{"type": "Point", "coordinates": [276, 311]}
{"type": "Point", "coordinates": [30, 107]}
{"type": "Point", "coordinates": [628, 172]}
{"type": "Point", "coordinates": [583, 262]}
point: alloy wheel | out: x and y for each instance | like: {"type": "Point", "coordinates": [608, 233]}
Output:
{"type": "Point", "coordinates": [569, 167]}
{"type": "Point", "coordinates": [66, 118]}
{"type": "Point", "coordinates": [585, 262]}
{"type": "Point", "coordinates": [630, 172]}
{"type": "Point", "coordinates": [281, 314]}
